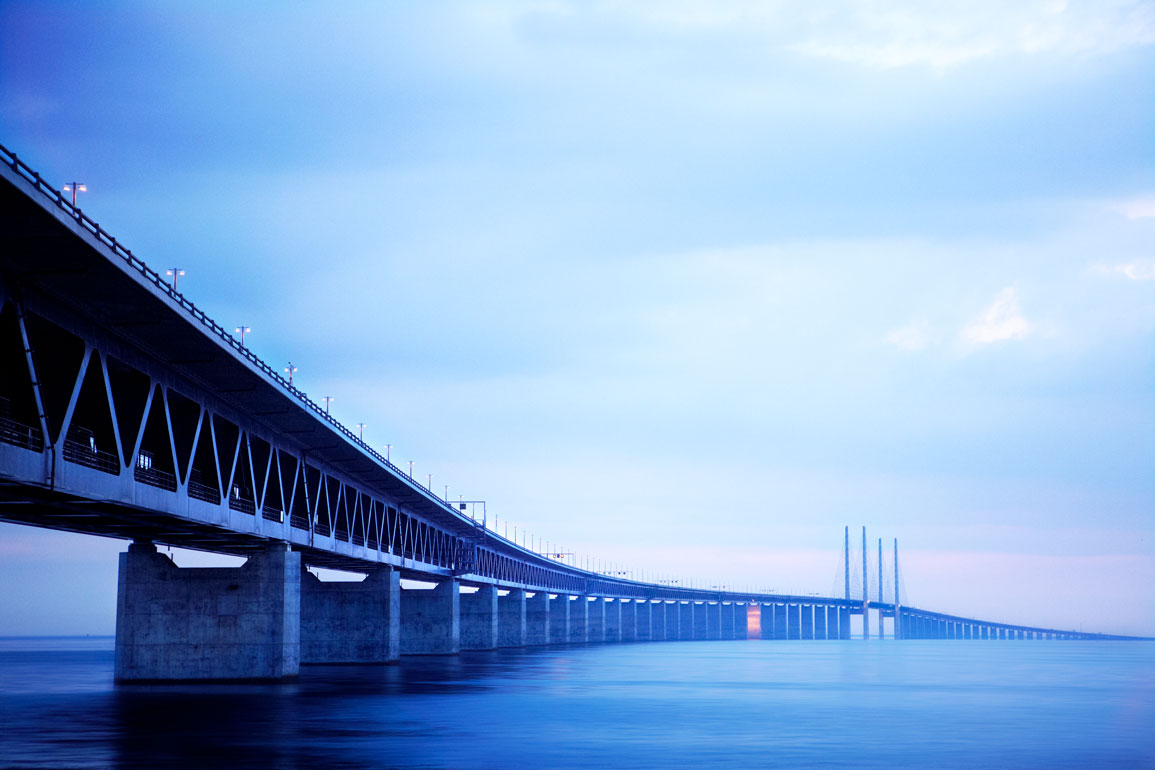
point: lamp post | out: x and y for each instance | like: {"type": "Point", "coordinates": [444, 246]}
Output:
{"type": "Point", "coordinates": [174, 272]}
{"type": "Point", "coordinates": [410, 469]}
{"type": "Point", "coordinates": [387, 448]}
{"type": "Point", "coordinates": [328, 400]}
{"type": "Point", "coordinates": [75, 187]}
{"type": "Point", "coordinates": [241, 330]}
{"type": "Point", "coordinates": [290, 370]}
{"type": "Point", "coordinates": [361, 431]}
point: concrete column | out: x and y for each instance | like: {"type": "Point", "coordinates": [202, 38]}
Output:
{"type": "Point", "coordinates": [673, 620]}
{"type": "Point", "coordinates": [766, 612]}
{"type": "Point", "coordinates": [714, 620]}
{"type": "Point", "coordinates": [820, 622]}
{"type": "Point", "coordinates": [511, 623]}
{"type": "Point", "coordinates": [478, 619]}
{"type": "Point", "coordinates": [807, 625]}
{"type": "Point", "coordinates": [643, 620]}
{"type": "Point", "coordinates": [579, 617]}
{"type": "Point", "coordinates": [430, 620]}
{"type": "Point", "coordinates": [781, 622]}
{"type": "Point", "coordinates": [843, 622]}
{"type": "Point", "coordinates": [741, 621]}
{"type": "Point", "coordinates": [614, 619]}
{"type": "Point", "coordinates": [984, 632]}
{"type": "Point", "coordinates": [559, 619]}
{"type": "Point", "coordinates": [699, 623]}
{"type": "Point", "coordinates": [629, 610]}
{"type": "Point", "coordinates": [208, 623]}
{"type": "Point", "coordinates": [658, 621]}
{"type": "Point", "coordinates": [351, 622]}
{"type": "Point", "coordinates": [793, 621]}
{"type": "Point", "coordinates": [537, 619]}
{"type": "Point", "coordinates": [596, 622]}
{"type": "Point", "coordinates": [726, 620]}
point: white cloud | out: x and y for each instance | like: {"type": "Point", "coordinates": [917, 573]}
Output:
{"type": "Point", "coordinates": [944, 36]}
{"type": "Point", "coordinates": [1002, 320]}
{"type": "Point", "coordinates": [915, 336]}
{"type": "Point", "coordinates": [1138, 208]}
{"type": "Point", "coordinates": [1138, 269]}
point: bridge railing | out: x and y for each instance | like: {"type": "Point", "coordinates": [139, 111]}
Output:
{"type": "Point", "coordinates": [33, 177]}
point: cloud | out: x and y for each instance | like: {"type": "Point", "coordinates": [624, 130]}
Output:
{"type": "Point", "coordinates": [1138, 208]}
{"type": "Point", "coordinates": [1137, 269]}
{"type": "Point", "coordinates": [1002, 320]}
{"type": "Point", "coordinates": [946, 36]}
{"type": "Point", "coordinates": [915, 336]}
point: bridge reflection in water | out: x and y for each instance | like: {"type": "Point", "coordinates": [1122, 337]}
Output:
{"type": "Point", "coordinates": [125, 411]}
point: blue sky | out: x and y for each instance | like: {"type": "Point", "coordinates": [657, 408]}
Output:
{"type": "Point", "coordinates": [684, 286]}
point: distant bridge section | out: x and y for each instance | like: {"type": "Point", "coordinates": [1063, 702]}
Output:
{"type": "Point", "coordinates": [126, 411]}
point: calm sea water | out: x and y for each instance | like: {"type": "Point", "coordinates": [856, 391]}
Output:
{"type": "Point", "coordinates": [922, 704]}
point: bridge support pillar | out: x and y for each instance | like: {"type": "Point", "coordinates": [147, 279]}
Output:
{"type": "Point", "coordinates": [644, 622]}
{"type": "Point", "coordinates": [713, 620]}
{"type": "Point", "coordinates": [559, 619]}
{"type": "Point", "coordinates": [686, 621]}
{"type": "Point", "coordinates": [767, 616]}
{"type": "Point", "coordinates": [596, 619]}
{"type": "Point", "coordinates": [537, 625]}
{"type": "Point", "coordinates": [663, 617]}
{"type": "Point", "coordinates": [793, 621]}
{"type": "Point", "coordinates": [844, 623]}
{"type": "Point", "coordinates": [208, 623]}
{"type": "Point", "coordinates": [699, 620]}
{"type": "Point", "coordinates": [630, 619]}
{"type": "Point", "coordinates": [430, 620]}
{"type": "Point", "coordinates": [726, 614]}
{"type": "Point", "coordinates": [615, 610]}
{"type": "Point", "coordinates": [741, 621]}
{"type": "Point", "coordinates": [820, 622]}
{"type": "Point", "coordinates": [351, 622]}
{"type": "Point", "coordinates": [511, 619]}
{"type": "Point", "coordinates": [807, 631]}
{"type": "Point", "coordinates": [478, 619]}
{"type": "Point", "coordinates": [579, 619]}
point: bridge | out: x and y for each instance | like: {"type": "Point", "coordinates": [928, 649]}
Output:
{"type": "Point", "coordinates": [126, 411]}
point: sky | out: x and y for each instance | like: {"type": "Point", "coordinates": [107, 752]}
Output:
{"type": "Point", "coordinates": [685, 287]}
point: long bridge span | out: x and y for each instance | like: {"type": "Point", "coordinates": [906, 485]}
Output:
{"type": "Point", "coordinates": [126, 411]}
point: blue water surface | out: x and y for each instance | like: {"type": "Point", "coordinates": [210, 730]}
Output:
{"type": "Point", "coordinates": [918, 704]}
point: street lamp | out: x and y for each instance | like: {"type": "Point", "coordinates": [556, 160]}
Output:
{"type": "Point", "coordinates": [290, 370]}
{"type": "Point", "coordinates": [328, 400]}
{"type": "Point", "coordinates": [387, 448]}
{"type": "Point", "coordinates": [241, 330]}
{"type": "Point", "coordinates": [361, 431]}
{"type": "Point", "coordinates": [74, 188]}
{"type": "Point", "coordinates": [410, 469]}
{"type": "Point", "coordinates": [174, 272]}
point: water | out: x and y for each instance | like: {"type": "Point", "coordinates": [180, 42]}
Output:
{"type": "Point", "coordinates": [674, 704]}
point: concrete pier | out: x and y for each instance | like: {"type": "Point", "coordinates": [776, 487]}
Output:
{"type": "Point", "coordinates": [713, 620]}
{"type": "Point", "coordinates": [658, 621]}
{"type": "Point", "coordinates": [643, 620]}
{"type": "Point", "coordinates": [596, 620]}
{"type": "Point", "coordinates": [351, 622]}
{"type": "Point", "coordinates": [478, 619]}
{"type": "Point", "coordinates": [686, 620]}
{"type": "Point", "coordinates": [579, 608]}
{"type": "Point", "coordinates": [613, 612]}
{"type": "Point", "coordinates": [208, 623]}
{"type": "Point", "coordinates": [807, 622]}
{"type": "Point", "coordinates": [511, 625]}
{"type": "Point", "coordinates": [629, 626]}
{"type": "Point", "coordinates": [793, 621]}
{"type": "Point", "coordinates": [678, 621]}
{"type": "Point", "coordinates": [820, 622]}
{"type": "Point", "coordinates": [726, 620]}
{"type": "Point", "coordinates": [741, 621]}
{"type": "Point", "coordinates": [843, 622]}
{"type": "Point", "coordinates": [429, 620]}
{"type": "Point", "coordinates": [559, 619]}
{"type": "Point", "coordinates": [699, 622]}
{"type": "Point", "coordinates": [537, 628]}
{"type": "Point", "coordinates": [781, 623]}
{"type": "Point", "coordinates": [766, 621]}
